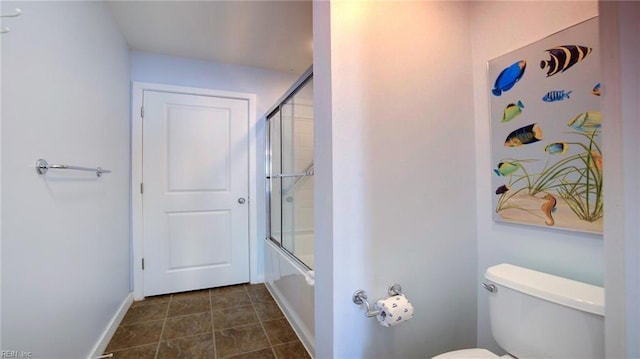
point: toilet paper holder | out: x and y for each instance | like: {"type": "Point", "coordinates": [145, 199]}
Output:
{"type": "Point", "coordinates": [360, 297]}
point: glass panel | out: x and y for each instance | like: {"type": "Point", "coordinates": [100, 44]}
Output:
{"type": "Point", "coordinates": [297, 166]}
{"type": "Point", "coordinates": [287, 116]}
{"type": "Point", "coordinates": [274, 184]}
{"type": "Point", "coordinates": [290, 168]}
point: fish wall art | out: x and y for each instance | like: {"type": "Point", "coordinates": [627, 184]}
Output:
{"type": "Point", "coordinates": [556, 95]}
{"type": "Point", "coordinates": [563, 57]}
{"type": "Point", "coordinates": [512, 111]}
{"type": "Point", "coordinates": [508, 77]}
{"type": "Point", "coordinates": [547, 158]}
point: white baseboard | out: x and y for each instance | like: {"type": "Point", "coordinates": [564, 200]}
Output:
{"type": "Point", "coordinates": [257, 279]}
{"type": "Point", "coordinates": [106, 336]}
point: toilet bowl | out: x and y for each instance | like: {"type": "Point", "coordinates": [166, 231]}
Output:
{"type": "Point", "coordinates": [568, 320]}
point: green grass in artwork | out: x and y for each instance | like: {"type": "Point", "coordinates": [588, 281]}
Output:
{"type": "Point", "coordinates": [577, 179]}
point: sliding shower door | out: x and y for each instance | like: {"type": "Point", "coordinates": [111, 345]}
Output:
{"type": "Point", "coordinates": [273, 179]}
{"type": "Point", "coordinates": [290, 174]}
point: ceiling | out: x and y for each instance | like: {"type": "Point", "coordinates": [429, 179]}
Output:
{"type": "Point", "coordinates": [274, 35]}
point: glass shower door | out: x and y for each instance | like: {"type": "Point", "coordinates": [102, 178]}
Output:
{"type": "Point", "coordinates": [291, 180]}
{"type": "Point", "coordinates": [275, 182]}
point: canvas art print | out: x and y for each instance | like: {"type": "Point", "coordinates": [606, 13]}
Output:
{"type": "Point", "coordinates": [546, 131]}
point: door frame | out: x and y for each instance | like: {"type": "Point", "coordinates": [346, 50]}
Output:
{"type": "Point", "coordinates": [137, 244]}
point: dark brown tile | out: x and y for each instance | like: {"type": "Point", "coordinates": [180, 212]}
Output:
{"type": "Point", "coordinates": [143, 352]}
{"type": "Point", "coordinates": [189, 306]}
{"type": "Point", "coordinates": [188, 325]}
{"type": "Point", "coordinates": [127, 336]}
{"type": "Point", "coordinates": [196, 347]}
{"type": "Point", "coordinates": [258, 354]}
{"type": "Point", "coordinates": [279, 331]}
{"type": "Point", "coordinates": [234, 317]}
{"type": "Point", "coordinates": [291, 350]}
{"type": "Point", "coordinates": [152, 300]}
{"type": "Point", "coordinates": [228, 289]}
{"type": "Point", "coordinates": [230, 300]}
{"type": "Point", "coordinates": [190, 294]}
{"type": "Point", "coordinates": [267, 311]}
{"type": "Point", "coordinates": [146, 313]}
{"type": "Point", "coordinates": [259, 293]}
{"type": "Point", "coordinates": [240, 340]}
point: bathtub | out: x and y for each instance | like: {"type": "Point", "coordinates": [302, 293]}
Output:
{"type": "Point", "coordinates": [303, 247]}
{"type": "Point", "coordinates": [285, 279]}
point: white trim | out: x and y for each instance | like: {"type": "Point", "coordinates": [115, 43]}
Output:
{"type": "Point", "coordinates": [0, 191]}
{"type": "Point", "coordinates": [106, 336]}
{"type": "Point", "coordinates": [136, 175]}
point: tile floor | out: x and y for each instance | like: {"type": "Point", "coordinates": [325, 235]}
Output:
{"type": "Point", "coordinates": [235, 322]}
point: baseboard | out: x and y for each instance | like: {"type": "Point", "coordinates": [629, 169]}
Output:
{"type": "Point", "coordinates": [106, 336]}
{"type": "Point", "coordinates": [258, 279]}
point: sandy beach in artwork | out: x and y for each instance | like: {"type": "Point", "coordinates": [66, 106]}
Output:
{"type": "Point", "coordinates": [524, 208]}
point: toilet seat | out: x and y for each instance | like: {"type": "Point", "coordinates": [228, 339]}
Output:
{"type": "Point", "coordinates": [476, 353]}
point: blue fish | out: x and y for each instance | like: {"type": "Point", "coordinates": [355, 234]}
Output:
{"type": "Point", "coordinates": [596, 89]}
{"type": "Point", "coordinates": [508, 77]}
{"type": "Point", "coordinates": [556, 95]}
{"type": "Point", "coordinates": [557, 148]}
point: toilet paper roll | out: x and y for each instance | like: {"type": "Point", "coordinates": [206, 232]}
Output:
{"type": "Point", "coordinates": [394, 310]}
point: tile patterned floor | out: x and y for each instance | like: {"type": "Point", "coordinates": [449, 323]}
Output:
{"type": "Point", "coordinates": [235, 322]}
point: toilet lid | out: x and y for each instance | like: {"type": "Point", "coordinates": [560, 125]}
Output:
{"type": "Point", "coordinates": [467, 353]}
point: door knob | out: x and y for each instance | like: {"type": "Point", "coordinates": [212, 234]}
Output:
{"type": "Point", "coordinates": [241, 200]}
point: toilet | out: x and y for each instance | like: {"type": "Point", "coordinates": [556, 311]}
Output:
{"type": "Point", "coordinates": [539, 315]}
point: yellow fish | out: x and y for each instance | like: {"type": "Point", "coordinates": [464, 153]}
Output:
{"type": "Point", "coordinates": [512, 111]}
{"type": "Point", "coordinates": [587, 121]}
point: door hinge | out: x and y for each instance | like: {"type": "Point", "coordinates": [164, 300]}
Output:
{"type": "Point", "coordinates": [142, 263]}
{"type": "Point", "coordinates": [141, 188]}
{"type": "Point", "coordinates": [142, 111]}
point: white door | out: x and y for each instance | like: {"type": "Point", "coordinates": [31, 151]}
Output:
{"type": "Point", "coordinates": [195, 175]}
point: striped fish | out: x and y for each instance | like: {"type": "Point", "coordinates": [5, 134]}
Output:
{"type": "Point", "coordinates": [563, 57]}
{"type": "Point", "coordinates": [556, 95]}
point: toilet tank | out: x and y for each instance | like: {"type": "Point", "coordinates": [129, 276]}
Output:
{"type": "Point", "coordinates": [538, 315]}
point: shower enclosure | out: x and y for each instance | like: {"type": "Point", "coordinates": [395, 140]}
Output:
{"type": "Point", "coordinates": [290, 232]}
{"type": "Point", "coordinates": [290, 174]}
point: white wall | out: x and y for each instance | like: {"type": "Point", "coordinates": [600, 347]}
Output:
{"type": "Point", "coordinates": [395, 178]}
{"type": "Point", "coordinates": [323, 243]}
{"type": "Point", "coordinates": [65, 236]}
{"type": "Point", "coordinates": [620, 25]}
{"type": "Point", "coordinates": [267, 85]}
{"type": "Point", "coordinates": [497, 28]}
{"type": "Point", "coordinates": [1, 184]}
